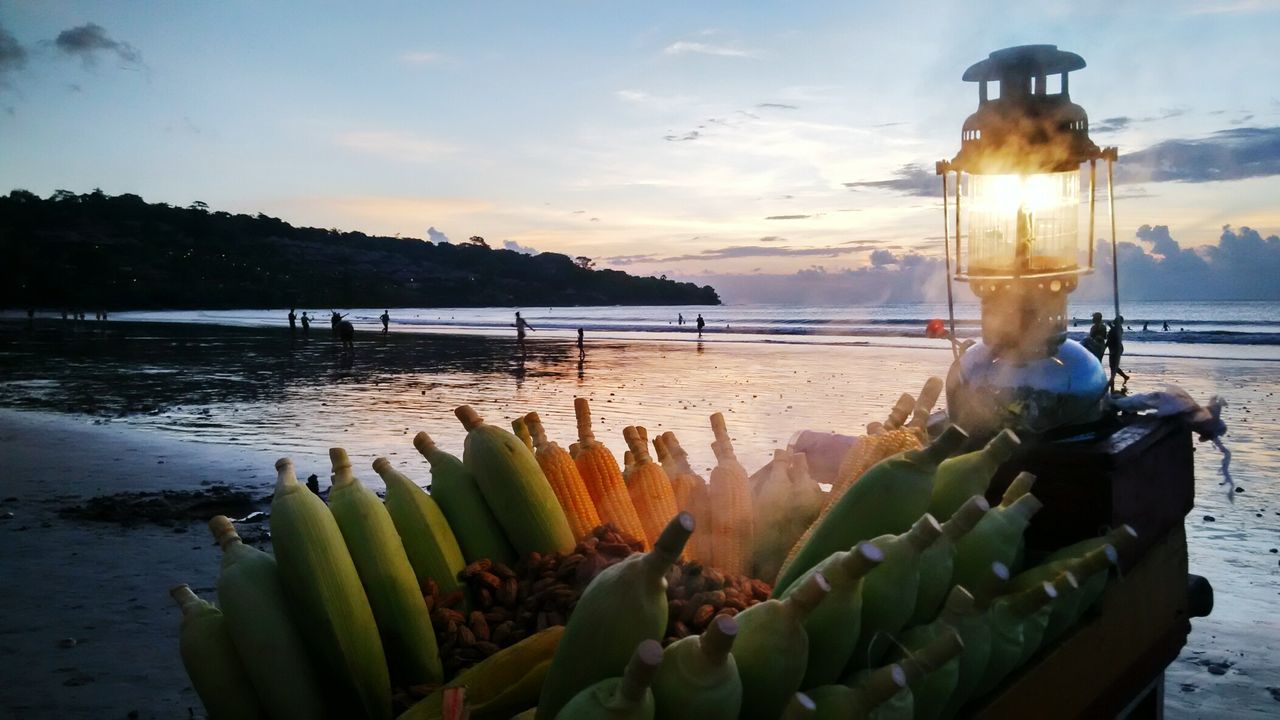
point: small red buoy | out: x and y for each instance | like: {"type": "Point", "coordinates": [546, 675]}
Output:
{"type": "Point", "coordinates": [935, 329]}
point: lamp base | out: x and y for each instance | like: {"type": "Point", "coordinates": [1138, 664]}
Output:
{"type": "Point", "coordinates": [988, 391]}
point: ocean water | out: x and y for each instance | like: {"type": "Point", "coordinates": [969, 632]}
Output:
{"type": "Point", "coordinates": [1243, 330]}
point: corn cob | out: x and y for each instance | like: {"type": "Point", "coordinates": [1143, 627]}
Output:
{"type": "Point", "coordinates": [967, 615]}
{"type": "Point", "coordinates": [1019, 486]}
{"type": "Point", "coordinates": [925, 402]}
{"type": "Point", "coordinates": [322, 585]}
{"type": "Point", "coordinates": [681, 482]}
{"type": "Point", "coordinates": [833, 627]}
{"type": "Point", "coordinates": [772, 649]}
{"type": "Point", "coordinates": [1090, 568]}
{"type": "Point", "coordinates": [887, 500]}
{"type": "Point", "coordinates": [867, 452]}
{"type": "Point", "coordinates": [387, 575]}
{"type": "Point", "coordinates": [808, 498]}
{"type": "Point", "coordinates": [211, 661]}
{"type": "Point", "coordinates": [964, 476]}
{"type": "Point", "coordinates": [628, 464]}
{"type": "Point", "coordinates": [265, 637]}
{"type": "Point", "coordinates": [455, 490]}
{"type": "Point", "coordinates": [626, 698]}
{"type": "Point", "coordinates": [501, 675]}
{"type": "Point", "coordinates": [649, 488]}
{"type": "Point", "coordinates": [565, 480]}
{"type": "Point", "coordinates": [699, 678]}
{"type": "Point", "coordinates": [997, 536]}
{"type": "Point", "coordinates": [521, 430]}
{"type": "Point", "coordinates": [600, 473]}
{"type": "Point", "coordinates": [900, 413]}
{"type": "Point", "coordinates": [732, 525]}
{"type": "Point", "coordinates": [698, 497]}
{"type": "Point", "coordinates": [427, 538]}
{"type": "Point", "coordinates": [931, 659]}
{"type": "Point", "coordinates": [937, 562]}
{"type": "Point", "coordinates": [773, 517]}
{"type": "Point", "coordinates": [1009, 618]}
{"type": "Point", "coordinates": [514, 487]}
{"type": "Point", "coordinates": [624, 605]}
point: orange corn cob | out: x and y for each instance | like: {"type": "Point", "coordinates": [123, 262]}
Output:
{"type": "Point", "coordinates": [600, 473]}
{"type": "Point", "coordinates": [690, 491]}
{"type": "Point", "coordinates": [731, 513]}
{"type": "Point", "coordinates": [521, 430]}
{"type": "Point", "coordinates": [868, 451]}
{"type": "Point", "coordinates": [628, 463]}
{"type": "Point", "coordinates": [649, 488]}
{"type": "Point", "coordinates": [566, 482]}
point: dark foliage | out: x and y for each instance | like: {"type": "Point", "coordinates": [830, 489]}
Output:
{"type": "Point", "coordinates": [94, 250]}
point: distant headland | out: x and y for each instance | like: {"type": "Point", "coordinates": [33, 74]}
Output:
{"type": "Point", "coordinates": [120, 252]}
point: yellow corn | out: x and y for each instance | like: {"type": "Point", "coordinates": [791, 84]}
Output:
{"type": "Point", "coordinates": [868, 451]}
{"type": "Point", "coordinates": [628, 464]}
{"type": "Point", "coordinates": [732, 525]}
{"type": "Point", "coordinates": [697, 500]}
{"type": "Point", "coordinates": [521, 429]}
{"type": "Point", "coordinates": [649, 487]}
{"type": "Point", "coordinates": [603, 479]}
{"type": "Point", "coordinates": [211, 661]}
{"type": "Point", "coordinates": [565, 480]}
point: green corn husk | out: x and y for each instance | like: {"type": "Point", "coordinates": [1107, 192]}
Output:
{"type": "Point", "coordinates": [887, 499]}
{"type": "Point", "coordinates": [261, 628]}
{"type": "Point", "coordinates": [860, 701]}
{"type": "Point", "coordinates": [620, 698]}
{"type": "Point", "coordinates": [454, 488]}
{"type": "Point", "coordinates": [403, 620]}
{"type": "Point", "coordinates": [801, 707]}
{"type": "Point", "coordinates": [1089, 569]}
{"type": "Point", "coordinates": [889, 592]}
{"type": "Point", "coordinates": [326, 596]}
{"type": "Point", "coordinates": [623, 606]}
{"type": "Point", "coordinates": [932, 644]}
{"type": "Point", "coordinates": [425, 533]}
{"type": "Point", "coordinates": [963, 476]}
{"type": "Point", "coordinates": [937, 562]}
{"type": "Point", "coordinates": [699, 678]}
{"type": "Point", "coordinates": [834, 625]}
{"type": "Point", "coordinates": [772, 649]}
{"type": "Point", "coordinates": [998, 537]}
{"type": "Point", "coordinates": [211, 661]}
{"type": "Point", "coordinates": [1009, 618]}
{"type": "Point", "coordinates": [967, 615]}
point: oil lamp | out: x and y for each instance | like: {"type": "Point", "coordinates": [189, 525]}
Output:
{"type": "Point", "coordinates": [1019, 247]}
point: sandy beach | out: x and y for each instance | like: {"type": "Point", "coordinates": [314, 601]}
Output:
{"type": "Point", "coordinates": [86, 623]}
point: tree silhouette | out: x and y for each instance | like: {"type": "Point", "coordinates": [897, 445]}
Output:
{"type": "Point", "coordinates": [477, 240]}
{"type": "Point", "coordinates": [584, 262]}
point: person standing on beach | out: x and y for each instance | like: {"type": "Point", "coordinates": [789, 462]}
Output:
{"type": "Point", "coordinates": [1096, 343]}
{"type": "Point", "coordinates": [1144, 326]}
{"type": "Point", "coordinates": [386, 321]}
{"type": "Point", "coordinates": [582, 346]}
{"type": "Point", "coordinates": [334, 319]}
{"type": "Point", "coordinates": [306, 324]}
{"type": "Point", "coordinates": [1115, 350]}
{"type": "Point", "coordinates": [521, 326]}
{"type": "Point", "coordinates": [679, 318]}
{"type": "Point", "coordinates": [701, 324]}
{"type": "Point", "coordinates": [1166, 326]}
{"type": "Point", "coordinates": [293, 321]}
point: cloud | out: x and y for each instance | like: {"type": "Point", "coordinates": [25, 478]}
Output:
{"type": "Point", "coordinates": [629, 259]}
{"type": "Point", "coordinates": [436, 236]}
{"type": "Point", "coordinates": [911, 179]}
{"type": "Point", "coordinates": [691, 135]}
{"type": "Point", "coordinates": [1232, 154]}
{"type": "Point", "coordinates": [517, 247]}
{"type": "Point", "coordinates": [1242, 265]}
{"type": "Point", "coordinates": [1111, 124]}
{"type": "Point", "coordinates": [393, 145]}
{"type": "Point", "coordinates": [684, 47]}
{"type": "Point", "coordinates": [421, 57]}
{"type": "Point", "coordinates": [788, 217]}
{"type": "Point", "coordinates": [742, 251]}
{"type": "Point", "coordinates": [1231, 7]}
{"type": "Point", "coordinates": [916, 280]}
{"type": "Point", "coordinates": [772, 238]}
{"type": "Point", "coordinates": [13, 57]}
{"type": "Point", "coordinates": [89, 40]}
{"type": "Point", "coordinates": [880, 258]}
{"type": "Point", "coordinates": [777, 106]}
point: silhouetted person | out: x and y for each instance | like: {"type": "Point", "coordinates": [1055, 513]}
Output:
{"type": "Point", "coordinates": [31, 319]}
{"type": "Point", "coordinates": [81, 316]}
{"type": "Point", "coordinates": [97, 315]}
{"type": "Point", "coordinates": [680, 318]}
{"type": "Point", "coordinates": [1115, 350]}
{"type": "Point", "coordinates": [306, 324]}
{"type": "Point", "coordinates": [293, 321]}
{"type": "Point", "coordinates": [701, 324]}
{"type": "Point", "coordinates": [334, 319]}
{"type": "Point", "coordinates": [1096, 343]}
{"type": "Point", "coordinates": [1166, 326]}
{"type": "Point", "coordinates": [313, 484]}
{"type": "Point", "coordinates": [104, 314]}
{"type": "Point", "coordinates": [1144, 326]}
{"type": "Point", "coordinates": [386, 321]}
{"type": "Point", "coordinates": [521, 326]}
{"type": "Point", "coordinates": [64, 314]}
{"type": "Point", "coordinates": [347, 333]}
{"type": "Point", "coordinates": [582, 346]}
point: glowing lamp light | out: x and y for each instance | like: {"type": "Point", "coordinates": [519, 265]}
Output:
{"type": "Point", "coordinates": [1018, 244]}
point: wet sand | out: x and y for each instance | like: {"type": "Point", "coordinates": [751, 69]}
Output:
{"type": "Point", "coordinates": [220, 404]}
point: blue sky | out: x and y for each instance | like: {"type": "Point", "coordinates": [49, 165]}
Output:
{"type": "Point", "coordinates": [692, 139]}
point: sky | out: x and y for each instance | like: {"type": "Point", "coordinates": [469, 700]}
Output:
{"type": "Point", "coordinates": [726, 142]}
